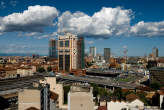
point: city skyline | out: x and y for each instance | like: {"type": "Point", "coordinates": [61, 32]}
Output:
{"type": "Point", "coordinates": [137, 28]}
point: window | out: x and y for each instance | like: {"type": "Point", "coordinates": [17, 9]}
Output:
{"type": "Point", "coordinates": [61, 43]}
{"type": "Point", "coordinates": [67, 43]}
{"type": "Point", "coordinates": [67, 51]}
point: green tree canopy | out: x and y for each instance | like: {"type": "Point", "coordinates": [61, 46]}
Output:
{"type": "Point", "coordinates": [40, 70]}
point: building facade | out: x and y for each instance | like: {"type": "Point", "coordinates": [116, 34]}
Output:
{"type": "Point", "coordinates": [92, 51]}
{"type": "Point", "coordinates": [155, 52]}
{"type": "Point", "coordinates": [37, 96]}
{"type": "Point", "coordinates": [157, 75]}
{"type": "Point", "coordinates": [80, 98]}
{"type": "Point", "coordinates": [57, 88]}
{"type": "Point", "coordinates": [53, 48]}
{"type": "Point", "coordinates": [106, 54]}
{"type": "Point", "coordinates": [70, 52]}
{"type": "Point", "coordinates": [125, 105]}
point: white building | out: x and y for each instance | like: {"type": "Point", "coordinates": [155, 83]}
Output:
{"type": "Point", "coordinates": [122, 105]}
{"type": "Point", "coordinates": [161, 99]}
{"type": "Point", "coordinates": [25, 71]}
{"type": "Point", "coordinates": [92, 51]}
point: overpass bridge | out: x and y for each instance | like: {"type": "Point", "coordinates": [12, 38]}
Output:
{"type": "Point", "coordinates": [96, 80]}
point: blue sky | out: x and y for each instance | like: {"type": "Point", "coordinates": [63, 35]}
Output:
{"type": "Point", "coordinates": [141, 27]}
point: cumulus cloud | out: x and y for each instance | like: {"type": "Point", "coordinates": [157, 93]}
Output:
{"type": "Point", "coordinates": [148, 29]}
{"type": "Point", "coordinates": [34, 19]}
{"type": "Point", "coordinates": [107, 22]}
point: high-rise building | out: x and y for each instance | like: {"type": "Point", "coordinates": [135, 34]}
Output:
{"type": "Point", "coordinates": [70, 52]}
{"type": "Point", "coordinates": [92, 51]}
{"type": "Point", "coordinates": [106, 54]}
{"type": "Point", "coordinates": [53, 48]}
{"type": "Point", "coordinates": [81, 53]}
{"type": "Point", "coordinates": [155, 52]}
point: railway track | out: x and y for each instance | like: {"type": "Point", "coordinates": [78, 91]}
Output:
{"type": "Point", "coordinates": [18, 83]}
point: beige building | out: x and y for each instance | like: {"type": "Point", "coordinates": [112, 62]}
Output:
{"type": "Point", "coordinates": [57, 88]}
{"type": "Point", "coordinates": [80, 98]}
{"type": "Point", "coordinates": [70, 52]}
{"type": "Point", "coordinates": [36, 96]}
{"type": "Point", "coordinates": [25, 71]}
{"type": "Point", "coordinates": [10, 73]}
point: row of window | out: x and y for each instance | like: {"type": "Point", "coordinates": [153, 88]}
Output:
{"type": "Point", "coordinates": [64, 51]}
{"type": "Point", "coordinates": [64, 43]}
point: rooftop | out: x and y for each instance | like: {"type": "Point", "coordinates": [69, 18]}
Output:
{"type": "Point", "coordinates": [157, 68]}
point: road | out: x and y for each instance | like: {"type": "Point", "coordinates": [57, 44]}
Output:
{"type": "Point", "coordinates": [97, 80]}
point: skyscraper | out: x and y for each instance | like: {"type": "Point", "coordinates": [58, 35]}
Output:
{"type": "Point", "coordinates": [106, 54]}
{"type": "Point", "coordinates": [155, 52]}
{"type": "Point", "coordinates": [71, 52]}
{"type": "Point", "coordinates": [53, 48]}
{"type": "Point", "coordinates": [93, 51]}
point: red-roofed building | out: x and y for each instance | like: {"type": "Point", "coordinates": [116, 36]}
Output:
{"type": "Point", "coordinates": [102, 108]}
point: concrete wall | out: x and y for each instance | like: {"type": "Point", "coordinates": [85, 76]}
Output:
{"type": "Point", "coordinates": [80, 101]}
{"type": "Point", "coordinates": [116, 105]}
{"type": "Point", "coordinates": [29, 98]}
{"type": "Point", "coordinates": [136, 103]}
{"type": "Point", "coordinates": [25, 72]}
{"type": "Point", "coordinates": [57, 88]}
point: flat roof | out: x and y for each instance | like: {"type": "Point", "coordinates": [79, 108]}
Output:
{"type": "Point", "coordinates": [157, 68]}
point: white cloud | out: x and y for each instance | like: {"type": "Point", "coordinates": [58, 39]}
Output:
{"type": "Point", "coordinates": [148, 29]}
{"type": "Point", "coordinates": [125, 46]}
{"type": "Point", "coordinates": [49, 35]}
{"type": "Point", "coordinates": [30, 34]}
{"type": "Point", "coordinates": [107, 22]}
{"type": "Point", "coordinates": [34, 19]}
{"type": "Point", "coordinates": [90, 42]}
{"type": "Point", "coordinates": [43, 36]}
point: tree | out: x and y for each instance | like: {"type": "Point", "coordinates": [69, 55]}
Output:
{"type": "Point", "coordinates": [155, 85]}
{"type": "Point", "coordinates": [143, 98]}
{"type": "Point", "coordinates": [95, 90]}
{"type": "Point", "coordinates": [118, 93]}
{"type": "Point", "coordinates": [49, 69]}
{"type": "Point", "coordinates": [40, 70]}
